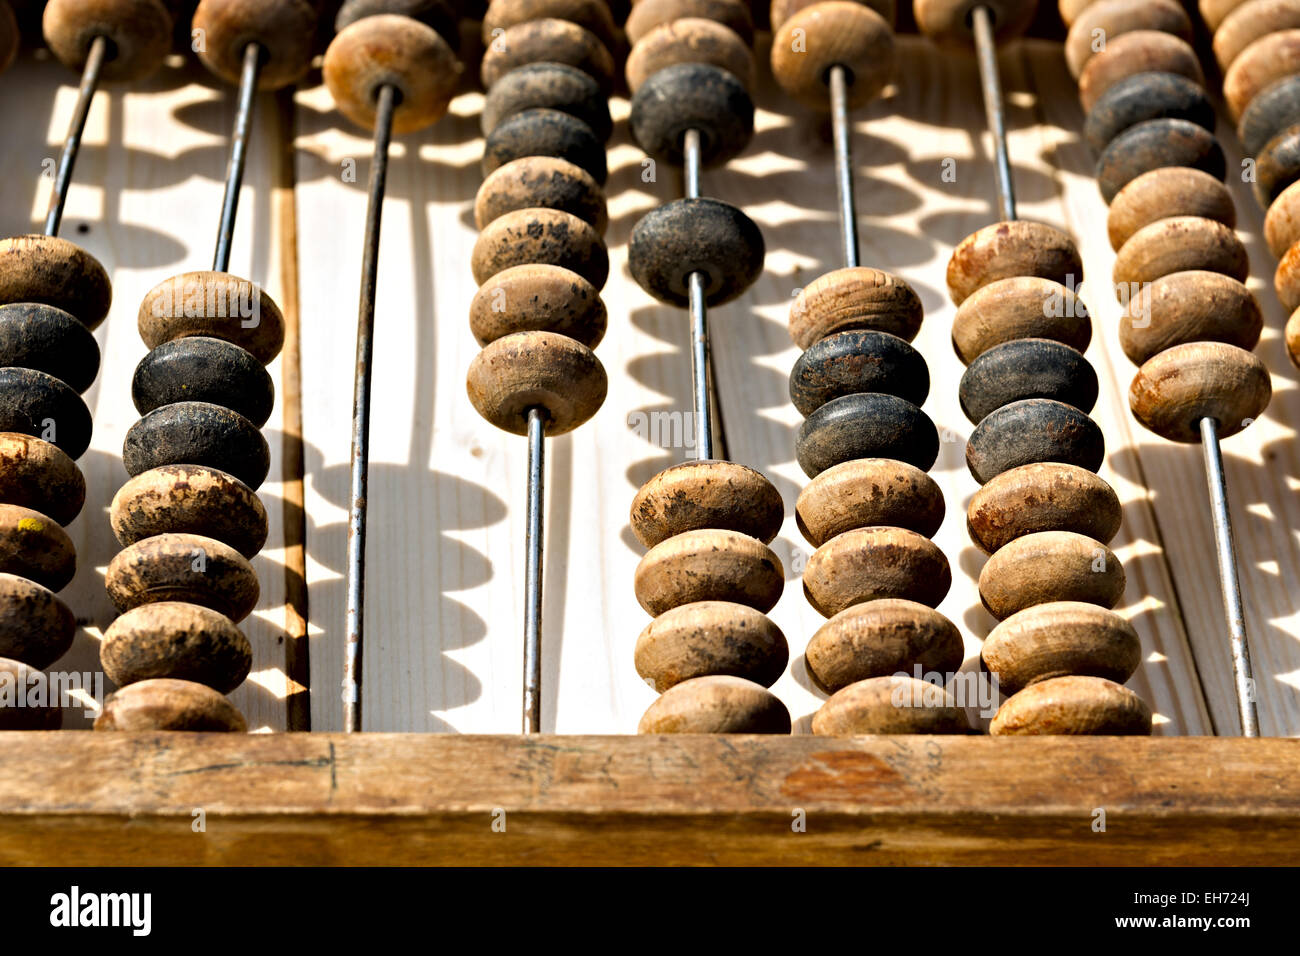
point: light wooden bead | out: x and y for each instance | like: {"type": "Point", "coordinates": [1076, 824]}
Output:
{"type": "Point", "coordinates": [854, 298]}
{"type": "Point", "coordinates": [35, 547]}
{"type": "Point", "coordinates": [1142, 51]}
{"type": "Point", "coordinates": [539, 235]}
{"type": "Point", "coordinates": [1073, 705]}
{"type": "Point", "coordinates": [139, 34]}
{"type": "Point", "coordinates": [216, 304]}
{"type": "Point", "coordinates": [592, 15]}
{"type": "Point", "coordinates": [526, 370]}
{"type": "Point", "coordinates": [1282, 221]}
{"type": "Point", "coordinates": [1286, 279]}
{"type": "Point", "coordinates": [1070, 9]}
{"type": "Point", "coordinates": [1050, 566]}
{"type": "Point", "coordinates": [948, 22]}
{"type": "Point", "coordinates": [1020, 307]}
{"type": "Point", "coordinates": [880, 638]}
{"type": "Point", "coordinates": [183, 567]}
{"type": "Point", "coordinates": [867, 492]}
{"type": "Point", "coordinates": [1059, 639]}
{"type": "Point", "coordinates": [1214, 12]}
{"type": "Point", "coordinates": [549, 182]}
{"type": "Point", "coordinates": [1183, 307]}
{"type": "Point", "coordinates": [709, 565]}
{"type": "Point", "coordinates": [1250, 22]}
{"type": "Point", "coordinates": [890, 705]}
{"type": "Point", "coordinates": [55, 272]}
{"type": "Point", "coordinates": [536, 297]}
{"type": "Point", "coordinates": [707, 638]}
{"type": "Point", "coordinates": [1007, 249]}
{"type": "Point", "coordinates": [285, 29]}
{"type": "Point", "coordinates": [14, 674]}
{"type": "Point", "coordinates": [167, 704]}
{"type": "Point", "coordinates": [828, 34]}
{"type": "Point", "coordinates": [1178, 244]}
{"type": "Point", "coordinates": [698, 495]}
{"type": "Point", "coordinates": [1165, 193]}
{"type": "Point", "coordinates": [1114, 18]}
{"type": "Point", "coordinates": [868, 564]}
{"type": "Point", "coordinates": [172, 639]}
{"type": "Point", "coordinates": [191, 499]}
{"type": "Point", "coordinates": [1258, 66]}
{"type": "Point", "coordinates": [1292, 337]}
{"type": "Point", "coordinates": [648, 14]}
{"type": "Point", "coordinates": [39, 475]}
{"type": "Point", "coordinates": [1042, 496]}
{"type": "Point", "coordinates": [781, 10]}
{"type": "Point", "coordinates": [1175, 389]}
{"type": "Point", "coordinates": [35, 626]}
{"type": "Point", "coordinates": [547, 41]}
{"type": "Point", "coordinates": [689, 40]}
{"type": "Point", "coordinates": [716, 705]}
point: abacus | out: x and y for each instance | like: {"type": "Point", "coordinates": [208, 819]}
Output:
{"type": "Point", "coordinates": [832, 255]}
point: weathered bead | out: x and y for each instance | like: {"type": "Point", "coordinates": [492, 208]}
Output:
{"type": "Point", "coordinates": [880, 638]}
{"type": "Point", "coordinates": [286, 31]}
{"type": "Point", "coordinates": [1166, 193]}
{"type": "Point", "coordinates": [709, 565]}
{"type": "Point", "coordinates": [1050, 566]}
{"type": "Point", "coordinates": [833, 33]}
{"type": "Point", "coordinates": [1020, 307]}
{"type": "Point", "coordinates": [867, 564]}
{"type": "Point", "coordinates": [1176, 388]}
{"type": "Point", "coordinates": [1213, 12]}
{"type": "Point", "coordinates": [699, 495]}
{"type": "Point", "coordinates": [46, 716]}
{"type": "Point", "coordinates": [1292, 336]}
{"type": "Point", "coordinates": [1033, 430]}
{"type": "Point", "coordinates": [541, 132]}
{"type": "Point", "coordinates": [648, 14]}
{"type": "Point", "coordinates": [710, 637]}
{"type": "Point", "coordinates": [526, 370]}
{"type": "Point", "coordinates": [171, 639]}
{"type": "Point", "coordinates": [167, 704]}
{"type": "Point", "coordinates": [1058, 639]}
{"type": "Point", "coordinates": [854, 298]}
{"type": "Point", "coordinates": [1248, 23]}
{"type": "Point", "coordinates": [549, 236]}
{"type": "Point", "coordinates": [592, 15]}
{"type": "Point", "coordinates": [861, 360]}
{"type": "Point", "coordinates": [547, 41]}
{"type": "Point", "coordinates": [1282, 221]}
{"type": "Point", "coordinates": [1273, 109]}
{"type": "Point", "coordinates": [38, 475]}
{"type": "Point", "coordinates": [183, 567]}
{"type": "Point", "coordinates": [890, 705]}
{"type": "Point", "coordinates": [41, 337]}
{"type": "Point", "coordinates": [948, 22]}
{"type": "Point", "coordinates": [139, 34]}
{"type": "Point", "coordinates": [1258, 67]}
{"type": "Point", "coordinates": [35, 547]}
{"type": "Point", "coordinates": [692, 96]}
{"type": "Point", "coordinates": [541, 181]}
{"type": "Point", "coordinates": [1155, 144]}
{"type": "Point", "coordinates": [1110, 19]}
{"type": "Point", "coordinates": [34, 403]}
{"type": "Point", "coordinates": [695, 235]}
{"type": "Point", "coordinates": [1027, 368]}
{"type": "Point", "coordinates": [215, 304]}
{"type": "Point", "coordinates": [716, 705]}
{"type": "Point", "coordinates": [1007, 249]}
{"type": "Point", "coordinates": [536, 297]}
{"type": "Point", "coordinates": [782, 10]}
{"type": "Point", "coordinates": [442, 15]}
{"type": "Point", "coordinates": [689, 40]}
{"type": "Point", "coordinates": [201, 369]}
{"type": "Point", "coordinates": [1178, 244]}
{"type": "Point", "coordinates": [1042, 496]}
{"type": "Point", "coordinates": [198, 433]}
{"type": "Point", "coordinates": [1193, 306]}
{"type": "Point", "coordinates": [1142, 51]}
{"type": "Point", "coordinates": [1073, 705]}
{"type": "Point", "coordinates": [55, 272]}
{"type": "Point", "coordinates": [867, 492]}
{"type": "Point", "coordinates": [1277, 165]}
{"type": "Point", "coordinates": [552, 86]}
{"type": "Point", "coordinates": [866, 425]}
{"type": "Point", "coordinates": [189, 499]}
{"type": "Point", "coordinates": [35, 626]}
{"type": "Point", "coordinates": [1143, 97]}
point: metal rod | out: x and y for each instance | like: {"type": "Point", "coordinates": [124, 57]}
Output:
{"type": "Point", "coordinates": [994, 108]}
{"type": "Point", "coordinates": [691, 163]}
{"type": "Point", "coordinates": [533, 571]}
{"type": "Point", "coordinates": [1226, 551]}
{"type": "Point", "coordinates": [352, 659]}
{"type": "Point", "coordinates": [701, 371]}
{"type": "Point", "coordinates": [238, 155]}
{"type": "Point", "coordinates": [843, 132]}
{"type": "Point", "coordinates": [72, 145]}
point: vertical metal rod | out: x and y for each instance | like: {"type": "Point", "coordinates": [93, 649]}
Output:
{"type": "Point", "coordinates": [691, 163]}
{"type": "Point", "coordinates": [357, 507]}
{"type": "Point", "coordinates": [72, 145]}
{"type": "Point", "coordinates": [986, 52]}
{"type": "Point", "coordinates": [533, 571]}
{"type": "Point", "coordinates": [701, 372]}
{"type": "Point", "coordinates": [238, 155]}
{"type": "Point", "coordinates": [843, 133]}
{"type": "Point", "coordinates": [1226, 550]}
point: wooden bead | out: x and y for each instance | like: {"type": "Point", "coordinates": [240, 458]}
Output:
{"type": "Point", "coordinates": [1007, 249]}
{"type": "Point", "coordinates": [1250, 22]}
{"type": "Point", "coordinates": [948, 22]}
{"type": "Point", "coordinates": [36, 404]}
{"type": "Point", "coordinates": [10, 37]}
{"type": "Point", "coordinates": [868, 564]}
{"type": "Point", "coordinates": [689, 40]}
{"type": "Point", "coordinates": [1042, 496]}
{"type": "Point", "coordinates": [215, 304]}
{"type": "Point", "coordinates": [396, 51]}
{"type": "Point", "coordinates": [716, 705]}
{"type": "Point", "coordinates": [829, 34]}
{"type": "Point", "coordinates": [55, 272]}
{"type": "Point", "coordinates": [1027, 368]}
{"type": "Point", "coordinates": [890, 705]}
{"type": "Point", "coordinates": [699, 495]}
{"type": "Point", "coordinates": [1058, 639]}
{"type": "Point", "coordinates": [1073, 705]}
{"type": "Point", "coordinates": [38, 475]}
{"type": "Point", "coordinates": [709, 565]}
{"type": "Point", "coordinates": [782, 10]}
{"type": "Point", "coordinates": [1033, 430]}
{"type": "Point", "coordinates": [35, 626]}
{"type": "Point", "coordinates": [1257, 67]}
{"type": "Point", "coordinates": [526, 370]}
{"type": "Point", "coordinates": [1165, 193]}
{"type": "Point", "coordinates": [592, 15]}
{"type": "Point", "coordinates": [41, 337]}
{"type": "Point", "coordinates": [201, 369]}
{"type": "Point", "coordinates": [1110, 19]}
{"type": "Point", "coordinates": [139, 34]}
{"type": "Point", "coordinates": [1274, 109]}
{"type": "Point", "coordinates": [551, 86]}
{"type": "Point", "coordinates": [538, 298]}
{"type": "Point", "coordinates": [1286, 279]}
{"type": "Point", "coordinates": [1176, 388]}
{"type": "Point", "coordinates": [198, 433]}
{"type": "Point", "coordinates": [698, 96]}
{"type": "Point", "coordinates": [35, 547]}
{"type": "Point", "coordinates": [867, 492]}
{"type": "Point", "coordinates": [1142, 97]}
{"type": "Point", "coordinates": [1071, 9]}
{"type": "Point", "coordinates": [1282, 221]}
{"type": "Point", "coordinates": [171, 639]}
{"type": "Point", "coordinates": [1292, 338]}
{"type": "Point", "coordinates": [442, 15]}
{"type": "Point", "coordinates": [541, 132]}
{"type": "Point", "coordinates": [1050, 566]}
{"type": "Point", "coordinates": [866, 425]}
{"type": "Point", "coordinates": [1277, 165]}
{"type": "Point", "coordinates": [541, 181]}
{"type": "Point", "coordinates": [648, 14]}
{"type": "Point", "coordinates": [31, 717]}
{"type": "Point", "coordinates": [855, 298]}
{"type": "Point", "coordinates": [1142, 51]}
{"type": "Point", "coordinates": [880, 638]}
{"type": "Point", "coordinates": [695, 235]}
{"type": "Point", "coordinates": [1178, 244]}
{"type": "Point", "coordinates": [167, 704]}
{"type": "Point", "coordinates": [1189, 307]}
{"type": "Point", "coordinates": [286, 31]}
{"type": "Point", "coordinates": [710, 637]}
{"type": "Point", "coordinates": [1155, 144]}
{"type": "Point", "coordinates": [183, 567]}
{"type": "Point", "coordinates": [549, 236]}
{"type": "Point", "coordinates": [189, 499]}
{"type": "Point", "coordinates": [1213, 12]}
{"type": "Point", "coordinates": [861, 360]}
{"type": "Point", "coordinates": [547, 41]}
{"type": "Point", "coordinates": [1020, 307]}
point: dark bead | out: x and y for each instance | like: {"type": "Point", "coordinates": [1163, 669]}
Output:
{"type": "Point", "coordinates": [1275, 108]}
{"type": "Point", "coordinates": [1154, 144]}
{"type": "Point", "coordinates": [198, 433]}
{"type": "Point", "coordinates": [545, 133]}
{"type": "Point", "coordinates": [1142, 97]}
{"type": "Point", "coordinates": [439, 14]}
{"type": "Point", "coordinates": [866, 425]}
{"type": "Point", "coordinates": [695, 235]}
{"type": "Point", "coordinates": [858, 361]}
{"type": "Point", "coordinates": [33, 335]}
{"type": "Point", "coordinates": [695, 96]}
{"type": "Point", "coordinates": [38, 404]}
{"type": "Point", "coordinates": [1036, 429]}
{"type": "Point", "coordinates": [1277, 165]}
{"type": "Point", "coordinates": [1027, 368]}
{"type": "Point", "coordinates": [200, 369]}
{"type": "Point", "coordinates": [552, 86]}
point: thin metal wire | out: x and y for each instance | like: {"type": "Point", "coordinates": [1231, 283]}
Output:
{"type": "Point", "coordinates": [843, 134]}
{"type": "Point", "coordinates": [994, 108]}
{"type": "Point", "coordinates": [533, 571]}
{"type": "Point", "coordinates": [1226, 551]}
{"type": "Point", "coordinates": [353, 643]}
{"type": "Point", "coordinates": [691, 163]}
{"type": "Point", "coordinates": [72, 145]}
{"type": "Point", "coordinates": [701, 372]}
{"type": "Point", "coordinates": [238, 155]}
